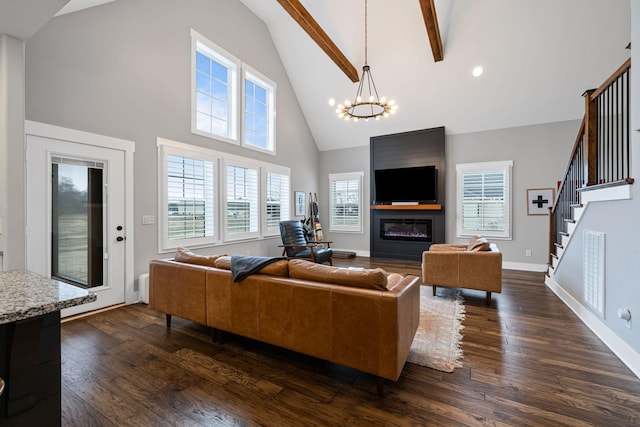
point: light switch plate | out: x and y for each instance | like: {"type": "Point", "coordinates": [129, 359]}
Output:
{"type": "Point", "coordinates": [148, 219]}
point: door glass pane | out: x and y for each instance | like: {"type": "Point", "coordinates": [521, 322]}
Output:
{"type": "Point", "coordinates": [77, 223]}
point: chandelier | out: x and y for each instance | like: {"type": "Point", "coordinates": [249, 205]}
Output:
{"type": "Point", "coordinates": [368, 105]}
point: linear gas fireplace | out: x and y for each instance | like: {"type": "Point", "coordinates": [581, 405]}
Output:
{"type": "Point", "coordinates": [405, 233]}
{"type": "Point", "coordinates": [414, 229]}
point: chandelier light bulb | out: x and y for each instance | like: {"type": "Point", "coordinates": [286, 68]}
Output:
{"type": "Point", "coordinates": [358, 99]}
{"type": "Point", "coordinates": [371, 98]}
{"type": "Point", "coordinates": [347, 103]}
{"type": "Point", "coordinates": [332, 102]}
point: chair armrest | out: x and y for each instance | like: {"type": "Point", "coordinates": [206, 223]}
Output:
{"type": "Point", "coordinates": [308, 245]}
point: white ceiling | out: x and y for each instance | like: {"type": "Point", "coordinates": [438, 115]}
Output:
{"type": "Point", "coordinates": [539, 56]}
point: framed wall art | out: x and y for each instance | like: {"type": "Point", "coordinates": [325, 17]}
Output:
{"type": "Point", "coordinates": [300, 202]}
{"type": "Point", "coordinates": [539, 200]}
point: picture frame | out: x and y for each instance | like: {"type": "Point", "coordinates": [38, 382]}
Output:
{"type": "Point", "coordinates": [300, 202]}
{"type": "Point", "coordinates": [539, 200]}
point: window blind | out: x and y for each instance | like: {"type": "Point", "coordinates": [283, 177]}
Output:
{"type": "Point", "coordinates": [277, 206]}
{"type": "Point", "coordinates": [242, 201]}
{"type": "Point", "coordinates": [484, 201]}
{"type": "Point", "coordinates": [346, 202]}
{"type": "Point", "coordinates": [190, 197]}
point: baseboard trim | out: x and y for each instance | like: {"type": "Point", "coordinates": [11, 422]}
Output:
{"type": "Point", "coordinates": [524, 266]}
{"type": "Point", "coordinates": [625, 353]}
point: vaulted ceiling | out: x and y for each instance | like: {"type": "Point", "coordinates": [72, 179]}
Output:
{"type": "Point", "coordinates": [538, 57]}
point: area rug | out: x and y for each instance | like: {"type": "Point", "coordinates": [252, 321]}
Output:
{"type": "Point", "coordinates": [437, 341]}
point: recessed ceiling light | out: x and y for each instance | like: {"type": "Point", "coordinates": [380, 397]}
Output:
{"type": "Point", "coordinates": [477, 71]}
{"type": "Point", "coordinates": [332, 102]}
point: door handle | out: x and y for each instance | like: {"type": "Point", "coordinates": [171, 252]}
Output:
{"type": "Point", "coordinates": [1, 386]}
{"type": "Point", "coordinates": [120, 238]}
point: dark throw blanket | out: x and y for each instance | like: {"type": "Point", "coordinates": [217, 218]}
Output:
{"type": "Point", "coordinates": [244, 266]}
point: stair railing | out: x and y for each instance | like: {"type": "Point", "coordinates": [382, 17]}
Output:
{"type": "Point", "coordinates": [601, 154]}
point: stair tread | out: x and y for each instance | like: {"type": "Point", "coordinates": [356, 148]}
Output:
{"type": "Point", "coordinates": [558, 245]}
{"type": "Point", "coordinates": [571, 220]}
{"type": "Point", "coordinates": [564, 233]}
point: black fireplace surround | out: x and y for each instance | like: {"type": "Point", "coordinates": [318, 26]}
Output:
{"type": "Point", "coordinates": [404, 232]}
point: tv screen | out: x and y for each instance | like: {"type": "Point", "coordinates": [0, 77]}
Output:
{"type": "Point", "coordinates": [418, 184]}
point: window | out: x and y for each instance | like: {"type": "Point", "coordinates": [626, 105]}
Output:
{"type": "Point", "coordinates": [241, 200]}
{"type": "Point", "coordinates": [277, 200]}
{"type": "Point", "coordinates": [346, 202]}
{"type": "Point", "coordinates": [259, 111]}
{"type": "Point", "coordinates": [484, 199]}
{"type": "Point", "coordinates": [187, 211]}
{"type": "Point", "coordinates": [215, 110]}
{"type": "Point", "coordinates": [214, 90]}
{"type": "Point", "coordinates": [201, 188]}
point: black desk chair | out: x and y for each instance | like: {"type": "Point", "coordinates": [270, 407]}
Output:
{"type": "Point", "coordinates": [296, 245]}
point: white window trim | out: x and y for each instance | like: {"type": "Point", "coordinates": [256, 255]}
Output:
{"type": "Point", "coordinates": [285, 214]}
{"type": "Point", "coordinates": [505, 166]}
{"type": "Point", "coordinates": [251, 74]}
{"type": "Point", "coordinates": [232, 62]}
{"type": "Point", "coordinates": [345, 177]}
{"type": "Point", "coordinates": [165, 148]}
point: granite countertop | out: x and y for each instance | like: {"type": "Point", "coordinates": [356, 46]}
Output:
{"type": "Point", "coordinates": [24, 294]}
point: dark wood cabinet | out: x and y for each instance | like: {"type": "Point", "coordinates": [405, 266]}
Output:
{"type": "Point", "coordinates": [30, 366]}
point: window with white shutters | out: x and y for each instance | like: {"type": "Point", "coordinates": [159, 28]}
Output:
{"type": "Point", "coordinates": [209, 197]}
{"type": "Point", "coordinates": [241, 201]}
{"type": "Point", "coordinates": [484, 199]}
{"type": "Point", "coordinates": [345, 201]}
{"type": "Point", "coordinates": [277, 206]}
{"type": "Point", "coordinates": [188, 209]}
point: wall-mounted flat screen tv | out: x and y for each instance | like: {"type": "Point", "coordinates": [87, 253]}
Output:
{"type": "Point", "coordinates": [417, 184]}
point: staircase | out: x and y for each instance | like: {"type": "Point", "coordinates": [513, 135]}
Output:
{"type": "Point", "coordinates": [600, 163]}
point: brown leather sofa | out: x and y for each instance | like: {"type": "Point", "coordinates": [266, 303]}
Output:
{"type": "Point", "coordinates": [364, 319]}
{"type": "Point", "coordinates": [476, 265]}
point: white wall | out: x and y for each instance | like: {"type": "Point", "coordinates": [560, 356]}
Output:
{"type": "Point", "coordinates": [123, 70]}
{"type": "Point", "coordinates": [12, 105]}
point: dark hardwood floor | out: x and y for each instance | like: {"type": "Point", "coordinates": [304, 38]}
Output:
{"type": "Point", "coordinates": [528, 361]}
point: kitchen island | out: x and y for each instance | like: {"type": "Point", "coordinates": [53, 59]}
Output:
{"type": "Point", "coordinates": [30, 307]}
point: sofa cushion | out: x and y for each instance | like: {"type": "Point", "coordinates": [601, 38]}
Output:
{"type": "Point", "coordinates": [478, 244]}
{"type": "Point", "coordinates": [375, 278]}
{"type": "Point", "coordinates": [448, 247]}
{"type": "Point", "coordinates": [278, 268]}
{"type": "Point", "coordinates": [188, 257]}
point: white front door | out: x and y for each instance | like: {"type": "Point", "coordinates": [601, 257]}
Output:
{"type": "Point", "coordinates": [76, 229]}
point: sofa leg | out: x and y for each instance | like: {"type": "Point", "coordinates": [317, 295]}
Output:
{"type": "Point", "coordinates": [168, 319]}
{"type": "Point", "coordinates": [380, 386]}
{"type": "Point", "coordinates": [488, 298]}
{"type": "Point", "coordinates": [434, 290]}
{"type": "Point", "coordinates": [217, 336]}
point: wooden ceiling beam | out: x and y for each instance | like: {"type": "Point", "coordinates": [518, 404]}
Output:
{"type": "Point", "coordinates": [433, 30]}
{"type": "Point", "coordinates": [308, 24]}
